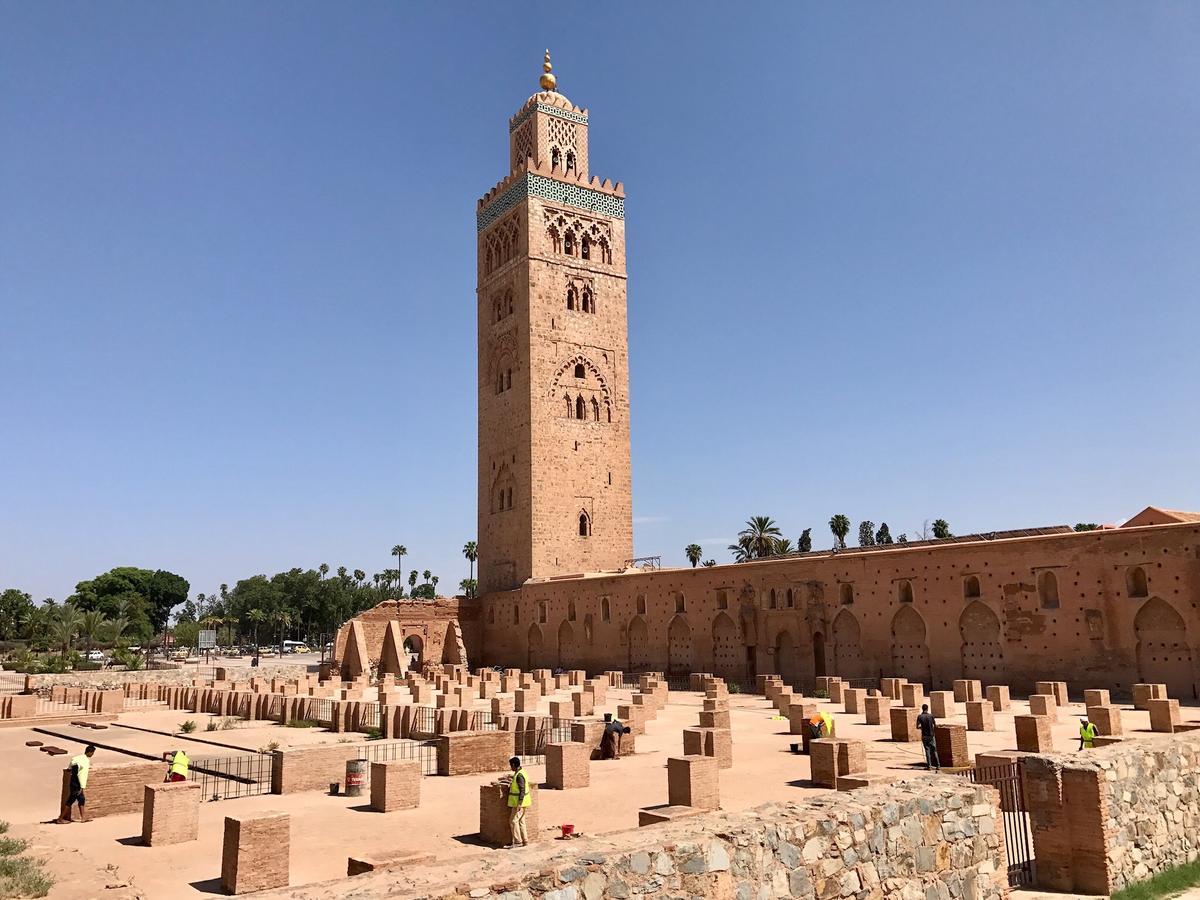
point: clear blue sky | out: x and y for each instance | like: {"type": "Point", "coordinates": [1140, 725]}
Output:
{"type": "Point", "coordinates": [894, 261]}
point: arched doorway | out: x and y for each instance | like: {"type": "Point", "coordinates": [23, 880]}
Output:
{"type": "Point", "coordinates": [1163, 653]}
{"type": "Point", "coordinates": [910, 653]}
{"type": "Point", "coordinates": [567, 652]}
{"type": "Point", "coordinates": [679, 647]}
{"type": "Point", "coordinates": [818, 654]}
{"type": "Point", "coordinates": [727, 660]}
{"type": "Point", "coordinates": [847, 645]}
{"type": "Point", "coordinates": [982, 651]}
{"type": "Point", "coordinates": [639, 645]}
{"type": "Point", "coordinates": [536, 654]}
{"type": "Point", "coordinates": [413, 646]}
{"type": "Point", "coordinates": [786, 662]}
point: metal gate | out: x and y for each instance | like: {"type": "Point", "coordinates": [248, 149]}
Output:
{"type": "Point", "coordinates": [226, 777]}
{"type": "Point", "coordinates": [1018, 841]}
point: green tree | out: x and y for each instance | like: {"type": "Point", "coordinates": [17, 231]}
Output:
{"type": "Point", "coordinates": [840, 526]}
{"type": "Point", "coordinates": [763, 534]}
{"type": "Point", "coordinates": [283, 618]}
{"type": "Point", "coordinates": [883, 535]}
{"type": "Point", "coordinates": [866, 533]}
{"type": "Point", "coordinates": [399, 551]}
{"type": "Point", "coordinates": [742, 550]}
{"type": "Point", "coordinates": [323, 568]}
{"type": "Point", "coordinates": [783, 545]}
{"type": "Point", "coordinates": [65, 626]}
{"type": "Point", "coordinates": [693, 552]}
{"type": "Point", "coordinates": [412, 581]}
{"type": "Point", "coordinates": [186, 633]}
{"type": "Point", "coordinates": [426, 576]}
{"type": "Point", "coordinates": [90, 625]}
{"type": "Point", "coordinates": [804, 545]}
{"type": "Point", "coordinates": [709, 563]}
{"type": "Point", "coordinates": [903, 539]}
{"type": "Point", "coordinates": [468, 586]}
{"type": "Point", "coordinates": [471, 552]}
{"type": "Point", "coordinates": [143, 596]}
{"type": "Point", "coordinates": [360, 576]}
{"type": "Point", "coordinates": [16, 608]}
{"type": "Point", "coordinates": [256, 617]}
{"type": "Point", "coordinates": [941, 528]}
{"type": "Point", "coordinates": [1086, 526]}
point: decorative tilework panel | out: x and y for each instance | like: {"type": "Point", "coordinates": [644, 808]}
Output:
{"type": "Point", "coordinates": [569, 115]}
{"type": "Point", "coordinates": [550, 189]}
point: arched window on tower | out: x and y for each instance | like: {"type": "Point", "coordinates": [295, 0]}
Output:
{"type": "Point", "coordinates": [608, 410]}
{"type": "Point", "coordinates": [1135, 582]}
{"type": "Point", "coordinates": [569, 244]}
{"type": "Point", "coordinates": [571, 297]}
{"type": "Point", "coordinates": [589, 305]}
{"type": "Point", "coordinates": [499, 313]}
{"type": "Point", "coordinates": [499, 382]}
{"type": "Point", "coordinates": [555, 158]}
{"type": "Point", "coordinates": [585, 248]}
{"type": "Point", "coordinates": [579, 408]}
{"type": "Point", "coordinates": [605, 610]}
{"type": "Point", "coordinates": [605, 251]}
{"type": "Point", "coordinates": [508, 379]}
{"type": "Point", "coordinates": [906, 592]}
{"type": "Point", "coordinates": [510, 303]}
{"type": "Point", "coordinates": [595, 410]}
{"type": "Point", "coordinates": [1048, 590]}
{"type": "Point", "coordinates": [570, 406]}
{"type": "Point", "coordinates": [571, 610]}
{"type": "Point", "coordinates": [971, 587]}
{"type": "Point", "coordinates": [570, 161]}
{"type": "Point", "coordinates": [846, 593]}
{"type": "Point", "coordinates": [585, 524]}
{"type": "Point", "coordinates": [509, 498]}
{"type": "Point", "coordinates": [580, 371]}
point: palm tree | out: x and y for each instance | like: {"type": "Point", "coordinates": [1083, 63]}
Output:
{"type": "Point", "coordinates": [256, 616]}
{"type": "Point", "coordinates": [742, 550]}
{"type": "Point", "coordinates": [400, 551]}
{"type": "Point", "coordinates": [763, 533]}
{"type": "Point", "coordinates": [360, 576]}
{"type": "Point", "coordinates": [425, 575]}
{"type": "Point", "coordinates": [709, 563]}
{"type": "Point", "coordinates": [323, 568]}
{"type": "Point", "coordinates": [65, 626]}
{"type": "Point", "coordinates": [783, 545]}
{"type": "Point", "coordinates": [89, 626]}
{"type": "Point", "coordinates": [840, 526]}
{"type": "Point", "coordinates": [284, 618]}
{"type": "Point", "coordinates": [941, 529]}
{"type": "Point", "coordinates": [693, 552]}
{"type": "Point", "coordinates": [412, 579]}
{"type": "Point", "coordinates": [116, 628]}
{"type": "Point", "coordinates": [341, 572]}
{"type": "Point", "coordinates": [471, 552]}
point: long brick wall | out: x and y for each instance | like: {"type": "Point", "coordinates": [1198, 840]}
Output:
{"type": "Point", "coordinates": [310, 768]}
{"type": "Point", "coordinates": [114, 790]}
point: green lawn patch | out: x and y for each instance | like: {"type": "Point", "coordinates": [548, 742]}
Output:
{"type": "Point", "coordinates": [1164, 884]}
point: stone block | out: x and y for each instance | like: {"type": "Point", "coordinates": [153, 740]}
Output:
{"type": "Point", "coordinates": [568, 765]}
{"type": "Point", "coordinates": [853, 700]}
{"type": "Point", "coordinates": [1096, 697]}
{"type": "Point", "coordinates": [583, 703]}
{"type": "Point", "coordinates": [1164, 715]}
{"type": "Point", "coordinates": [941, 704]}
{"type": "Point", "coordinates": [562, 709]}
{"type": "Point", "coordinates": [390, 862]}
{"type": "Point", "coordinates": [837, 690]}
{"type": "Point", "coordinates": [503, 705]}
{"type": "Point", "coordinates": [633, 717]}
{"type": "Point", "coordinates": [998, 696]}
{"type": "Point", "coordinates": [590, 734]}
{"type": "Point", "coordinates": [526, 700]}
{"type": "Point", "coordinates": [170, 813]}
{"type": "Point", "coordinates": [863, 780]}
{"type": "Point", "coordinates": [960, 690]}
{"type": "Point", "coordinates": [1107, 720]}
{"type": "Point", "coordinates": [951, 741]}
{"type": "Point", "coordinates": [395, 784]}
{"type": "Point", "coordinates": [904, 724]}
{"type": "Point", "coordinates": [113, 790]}
{"type": "Point", "coordinates": [891, 688]}
{"type": "Point", "coordinates": [255, 853]}
{"type": "Point", "coordinates": [1144, 693]}
{"type": "Point", "coordinates": [874, 709]}
{"type": "Point", "coordinates": [981, 715]}
{"type": "Point", "coordinates": [798, 714]}
{"type": "Point", "coordinates": [830, 758]}
{"type": "Point", "coordinates": [659, 815]}
{"type": "Point", "coordinates": [693, 781]}
{"type": "Point", "coordinates": [716, 742]}
{"type": "Point", "coordinates": [912, 695]}
{"type": "Point", "coordinates": [714, 718]}
{"type": "Point", "coordinates": [472, 752]}
{"type": "Point", "coordinates": [22, 706]}
{"type": "Point", "coordinates": [1033, 734]}
{"type": "Point", "coordinates": [1043, 705]}
{"type": "Point", "coordinates": [493, 814]}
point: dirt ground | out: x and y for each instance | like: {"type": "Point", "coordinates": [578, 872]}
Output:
{"type": "Point", "coordinates": [325, 830]}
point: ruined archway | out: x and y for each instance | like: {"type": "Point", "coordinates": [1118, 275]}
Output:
{"type": "Point", "coordinates": [786, 662]}
{"type": "Point", "coordinates": [568, 653]}
{"type": "Point", "coordinates": [1163, 653]}
{"type": "Point", "coordinates": [982, 650]}
{"type": "Point", "coordinates": [847, 646]}
{"type": "Point", "coordinates": [453, 652]}
{"type": "Point", "coordinates": [910, 652]}
{"type": "Point", "coordinates": [536, 654]}
{"type": "Point", "coordinates": [639, 645]}
{"type": "Point", "coordinates": [679, 647]}
{"type": "Point", "coordinates": [414, 647]}
{"type": "Point", "coordinates": [727, 652]}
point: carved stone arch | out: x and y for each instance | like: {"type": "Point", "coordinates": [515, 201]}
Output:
{"type": "Point", "coordinates": [910, 650]}
{"type": "Point", "coordinates": [566, 376]}
{"type": "Point", "coordinates": [787, 657]}
{"type": "Point", "coordinates": [503, 355]}
{"type": "Point", "coordinates": [501, 483]}
{"type": "Point", "coordinates": [727, 659]}
{"type": "Point", "coordinates": [536, 647]}
{"type": "Point", "coordinates": [982, 649]}
{"type": "Point", "coordinates": [568, 652]}
{"type": "Point", "coordinates": [679, 646]}
{"type": "Point", "coordinates": [1164, 654]}
{"type": "Point", "coordinates": [847, 646]}
{"type": "Point", "coordinates": [639, 645]}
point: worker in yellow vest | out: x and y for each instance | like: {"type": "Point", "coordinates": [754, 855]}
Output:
{"type": "Point", "coordinates": [821, 725]}
{"type": "Point", "coordinates": [1087, 733]}
{"type": "Point", "coordinates": [519, 800]}
{"type": "Point", "coordinates": [178, 770]}
{"type": "Point", "coordinates": [80, 766]}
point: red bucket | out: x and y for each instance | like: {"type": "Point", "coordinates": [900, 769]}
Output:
{"type": "Point", "coordinates": [568, 830]}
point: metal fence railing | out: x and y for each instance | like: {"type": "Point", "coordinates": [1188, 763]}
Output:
{"type": "Point", "coordinates": [227, 777]}
{"type": "Point", "coordinates": [275, 706]}
{"type": "Point", "coordinates": [678, 682]}
{"type": "Point", "coordinates": [424, 752]}
{"type": "Point", "coordinates": [320, 710]}
{"type": "Point", "coordinates": [11, 682]}
{"type": "Point", "coordinates": [368, 715]}
{"type": "Point", "coordinates": [424, 722]}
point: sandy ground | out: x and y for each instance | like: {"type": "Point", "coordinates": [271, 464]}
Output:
{"type": "Point", "coordinates": [326, 830]}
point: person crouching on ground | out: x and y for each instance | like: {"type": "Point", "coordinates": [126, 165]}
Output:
{"type": "Point", "coordinates": [610, 742]}
{"type": "Point", "coordinates": [519, 800]}
{"type": "Point", "coordinates": [80, 766]}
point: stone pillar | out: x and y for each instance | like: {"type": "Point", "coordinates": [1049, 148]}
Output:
{"type": "Point", "coordinates": [568, 765]}
{"type": "Point", "coordinates": [981, 715]}
{"type": "Point", "coordinates": [1096, 697]}
{"type": "Point", "coordinates": [255, 853]}
{"type": "Point", "coordinates": [798, 715]}
{"type": "Point", "coordinates": [171, 813]}
{"type": "Point", "coordinates": [715, 742]}
{"type": "Point", "coordinates": [904, 724]}
{"type": "Point", "coordinates": [1033, 734]}
{"type": "Point", "coordinates": [960, 690]}
{"type": "Point", "coordinates": [1107, 720]}
{"type": "Point", "coordinates": [941, 704]}
{"type": "Point", "coordinates": [997, 695]}
{"type": "Point", "coordinates": [875, 708]}
{"type": "Point", "coordinates": [854, 698]}
{"type": "Point", "coordinates": [395, 785]}
{"type": "Point", "coordinates": [526, 700]}
{"type": "Point", "coordinates": [693, 781]}
{"type": "Point", "coordinates": [1164, 715]}
{"type": "Point", "coordinates": [494, 828]}
{"type": "Point", "coordinates": [503, 705]}
{"type": "Point", "coordinates": [1043, 705]}
{"type": "Point", "coordinates": [912, 695]}
{"type": "Point", "coordinates": [951, 742]}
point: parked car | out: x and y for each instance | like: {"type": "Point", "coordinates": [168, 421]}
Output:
{"type": "Point", "coordinates": [95, 656]}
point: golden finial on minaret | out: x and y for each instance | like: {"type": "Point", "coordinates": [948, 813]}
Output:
{"type": "Point", "coordinates": [548, 81]}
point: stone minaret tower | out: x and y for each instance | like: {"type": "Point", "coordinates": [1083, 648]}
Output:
{"type": "Point", "coordinates": [554, 474]}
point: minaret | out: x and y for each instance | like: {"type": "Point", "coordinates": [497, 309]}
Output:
{"type": "Point", "coordinates": [554, 473]}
